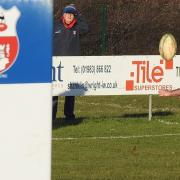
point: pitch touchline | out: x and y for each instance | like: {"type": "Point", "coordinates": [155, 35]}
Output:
{"type": "Point", "coordinates": [115, 137]}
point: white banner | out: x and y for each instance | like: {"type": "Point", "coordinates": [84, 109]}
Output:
{"type": "Point", "coordinates": [114, 75]}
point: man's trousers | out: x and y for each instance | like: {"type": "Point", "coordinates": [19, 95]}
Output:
{"type": "Point", "coordinates": [68, 107]}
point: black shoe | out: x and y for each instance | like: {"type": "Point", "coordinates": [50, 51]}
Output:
{"type": "Point", "coordinates": [70, 120]}
{"type": "Point", "coordinates": [55, 121]}
{"type": "Point", "coordinates": [54, 118]}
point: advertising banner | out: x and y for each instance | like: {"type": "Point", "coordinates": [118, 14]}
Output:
{"type": "Point", "coordinates": [25, 89]}
{"type": "Point", "coordinates": [114, 75]}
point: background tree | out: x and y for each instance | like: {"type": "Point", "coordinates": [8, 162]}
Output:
{"type": "Point", "coordinates": [125, 27]}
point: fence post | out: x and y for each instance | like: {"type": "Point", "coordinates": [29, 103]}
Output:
{"type": "Point", "coordinates": [103, 33]}
{"type": "Point", "coordinates": [150, 107]}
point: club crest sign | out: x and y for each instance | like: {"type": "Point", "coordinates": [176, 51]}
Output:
{"type": "Point", "coordinates": [9, 42]}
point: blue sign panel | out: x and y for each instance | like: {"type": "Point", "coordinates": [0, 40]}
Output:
{"type": "Point", "coordinates": [25, 41]}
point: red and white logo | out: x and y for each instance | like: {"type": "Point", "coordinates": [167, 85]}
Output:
{"type": "Point", "coordinates": [146, 74]}
{"type": "Point", "coordinates": [9, 42]}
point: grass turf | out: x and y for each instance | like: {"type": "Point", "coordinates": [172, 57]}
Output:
{"type": "Point", "coordinates": [126, 159]}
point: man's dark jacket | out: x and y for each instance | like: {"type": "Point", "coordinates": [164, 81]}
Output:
{"type": "Point", "coordinates": [67, 41]}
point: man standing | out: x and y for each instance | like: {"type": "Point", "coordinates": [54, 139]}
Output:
{"type": "Point", "coordinates": [66, 40]}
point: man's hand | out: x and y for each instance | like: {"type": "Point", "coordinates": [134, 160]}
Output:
{"type": "Point", "coordinates": [164, 93]}
{"type": "Point", "coordinates": [175, 92]}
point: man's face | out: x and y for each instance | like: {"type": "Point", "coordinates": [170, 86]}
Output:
{"type": "Point", "coordinates": [68, 18]}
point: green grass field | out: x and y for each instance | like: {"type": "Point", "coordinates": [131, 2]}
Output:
{"type": "Point", "coordinates": [114, 140]}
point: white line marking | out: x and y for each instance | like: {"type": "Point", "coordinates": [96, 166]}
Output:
{"type": "Point", "coordinates": [114, 137]}
{"type": "Point", "coordinates": [115, 105]}
{"type": "Point", "coordinates": [168, 123]}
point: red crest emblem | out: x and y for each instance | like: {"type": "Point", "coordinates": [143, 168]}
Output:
{"type": "Point", "coordinates": [9, 42]}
